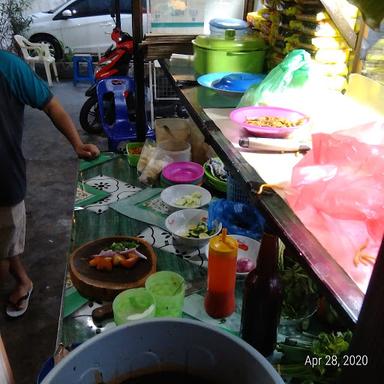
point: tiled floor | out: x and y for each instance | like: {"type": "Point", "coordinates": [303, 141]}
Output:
{"type": "Point", "coordinates": [52, 167]}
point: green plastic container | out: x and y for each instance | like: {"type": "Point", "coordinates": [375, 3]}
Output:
{"type": "Point", "coordinates": [133, 304]}
{"type": "Point", "coordinates": [133, 158]}
{"type": "Point", "coordinates": [213, 54]}
{"type": "Point", "coordinates": [168, 290]}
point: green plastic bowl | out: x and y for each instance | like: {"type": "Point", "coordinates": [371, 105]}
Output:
{"type": "Point", "coordinates": [213, 181]}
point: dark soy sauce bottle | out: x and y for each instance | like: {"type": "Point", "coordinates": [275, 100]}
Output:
{"type": "Point", "coordinates": [262, 299]}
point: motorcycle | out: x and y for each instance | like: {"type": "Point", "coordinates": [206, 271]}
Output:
{"type": "Point", "coordinates": [114, 62]}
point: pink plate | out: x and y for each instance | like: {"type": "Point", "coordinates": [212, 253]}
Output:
{"type": "Point", "coordinates": [240, 115]}
{"type": "Point", "coordinates": [183, 172]}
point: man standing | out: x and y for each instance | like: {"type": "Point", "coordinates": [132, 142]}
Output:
{"type": "Point", "coordinates": [19, 86]}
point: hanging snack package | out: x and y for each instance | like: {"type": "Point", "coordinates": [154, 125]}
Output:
{"type": "Point", "coordinates": [146, 154]}
{"type": "Point", "coordinates": [292, 79]}
{"type": "Point", "coordinates": [153, 168]}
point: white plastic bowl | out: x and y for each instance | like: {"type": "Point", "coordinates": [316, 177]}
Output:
{"type": "Point", "coordinates": [179, 222]}
{"type": "Point", "coordinates": [248, 248]}
{"type": "Point", "coordinates": [172, 194]}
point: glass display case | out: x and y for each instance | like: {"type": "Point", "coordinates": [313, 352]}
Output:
{"type": "Point", "coordinates": [190, 16]}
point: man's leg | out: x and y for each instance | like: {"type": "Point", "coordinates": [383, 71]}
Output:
{"type": "Point", "coordinates": [23, 282]}
{"type": "Point", "coordinates": [6, 234]}
{"type": "Point", "coordinates": [4, 269]}
{"type": "Point", "coordinates": [12, 236]}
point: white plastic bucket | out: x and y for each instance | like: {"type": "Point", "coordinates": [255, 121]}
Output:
{"type": "Point", "coordinates": [195, 347]}
{"type": "Point", "coordinates": [172, 128]}
{"type": "Point", "coordinates": [176, 150]}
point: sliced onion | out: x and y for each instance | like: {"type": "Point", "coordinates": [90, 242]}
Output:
{"type": "Point", "coordinates": [137, 253]}
{"type": "Point", "coordinates": [245, 265]}
{"type": "Point", "coordinates": [126, 251]}
{"type": "Point", "coordinates": [106, 253]}
{"type": "Point", "coordinates": [110, 253]}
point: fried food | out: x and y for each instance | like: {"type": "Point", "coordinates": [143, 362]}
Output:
{"type": "Point", "coordinates": [274, 122]}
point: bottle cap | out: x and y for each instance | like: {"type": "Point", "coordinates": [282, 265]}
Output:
{"type": "Point", "coordinates": [223, 243]}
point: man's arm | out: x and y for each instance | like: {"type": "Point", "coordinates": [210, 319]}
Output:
{"type": "Point", "coordinates": [65, 125]}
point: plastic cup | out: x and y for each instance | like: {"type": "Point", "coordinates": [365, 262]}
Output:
{"type": "Point", "coordinates": [168, 290]}
{"type": "Point", "coordinates": [133, 304]}
{"type": "Point", "coordinates": [176, 150]}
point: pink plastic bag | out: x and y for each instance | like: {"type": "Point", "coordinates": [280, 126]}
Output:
{"type": "Point", "coordinates": [337, 191]}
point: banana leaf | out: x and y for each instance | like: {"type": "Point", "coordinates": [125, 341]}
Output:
{"type": "Point", "coordinates": [372, 11]}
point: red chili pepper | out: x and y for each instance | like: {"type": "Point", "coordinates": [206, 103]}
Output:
{"type": "Point", "coordinates": [102, 263]}
{"type": "Point", "coordinates": [130, 261]}
{"type": "Point", "coordinates": [135, 151]}
{"type": "Point", "coordinates": [242, 245]}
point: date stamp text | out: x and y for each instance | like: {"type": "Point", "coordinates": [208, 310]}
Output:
{"type": "Point", "coordinates": [337, 361]}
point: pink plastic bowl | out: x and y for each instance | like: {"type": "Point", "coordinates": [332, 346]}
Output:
{"type": "Point", "coordinates": [240, 115]}
{"type": "Point", "coordinates": [183, 172]}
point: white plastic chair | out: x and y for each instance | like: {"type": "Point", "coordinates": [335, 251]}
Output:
{"type": "Point", "coordinates": [40, 54]}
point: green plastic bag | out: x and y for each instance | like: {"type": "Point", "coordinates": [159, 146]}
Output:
{"type": "Point", "coordinates": [291, 74]}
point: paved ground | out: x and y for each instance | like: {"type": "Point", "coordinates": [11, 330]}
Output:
{"type": "Point", "coordinates": [52, 168]}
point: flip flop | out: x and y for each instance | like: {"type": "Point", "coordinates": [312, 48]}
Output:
{"type": "Point", "coordinates": [13, 310]}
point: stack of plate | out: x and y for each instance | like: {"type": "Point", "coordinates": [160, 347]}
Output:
{"type": "Point", "coordinates": [183, 172]}
{"type": "Point", "coordinates": [230, 82]}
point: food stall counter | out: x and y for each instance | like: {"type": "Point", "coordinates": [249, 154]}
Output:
{"type": "Point", "coordinates": [332, 113]}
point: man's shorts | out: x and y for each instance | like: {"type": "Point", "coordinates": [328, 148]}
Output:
{"type": "Point", "coordinates": [12, 230]}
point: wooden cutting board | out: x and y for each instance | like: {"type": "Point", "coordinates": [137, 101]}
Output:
{"type": "Point", "coordinates": [105, 285]}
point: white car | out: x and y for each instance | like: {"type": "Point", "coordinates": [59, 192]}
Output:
{"type": "Point", "coordinates": [84, 26]}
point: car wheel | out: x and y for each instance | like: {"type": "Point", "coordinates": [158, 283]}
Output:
{"type": "Point", "coordinates": [54, 46]}
{"type": "Point", "coordinates": [89, 116]}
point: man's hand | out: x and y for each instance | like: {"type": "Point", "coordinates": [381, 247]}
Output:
{"type": "Point", "coordinates": [87, 151]}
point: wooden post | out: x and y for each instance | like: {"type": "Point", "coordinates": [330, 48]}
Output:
{"type": "Point", "coordinates": [249, 6]}
{"type": "Point", "coordinates": [357, 63]}
{"type": "Point", "coordinates": [334, 9]}
{"type": "Point", "coordinates": [138, 63]}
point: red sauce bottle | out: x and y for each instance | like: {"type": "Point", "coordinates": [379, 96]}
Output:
{"type": "Point", "coordinates": [222, 257]}
{"type": "Point", "coordinates": [262, 299]}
